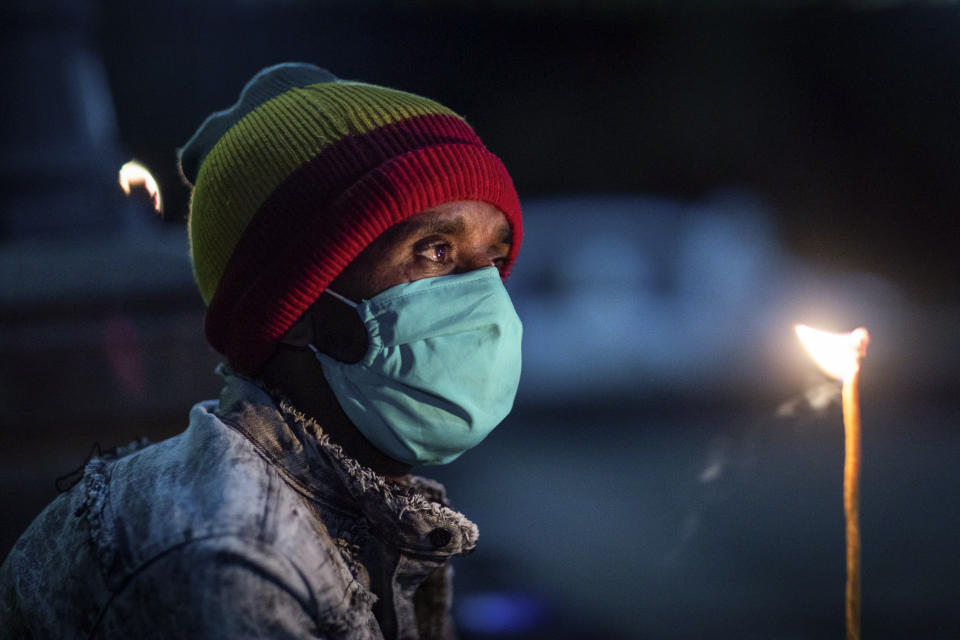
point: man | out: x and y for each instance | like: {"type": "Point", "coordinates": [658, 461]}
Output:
{"type": "Point", "coordinates": [349, 241]}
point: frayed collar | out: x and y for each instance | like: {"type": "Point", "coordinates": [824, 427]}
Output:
{"type": "Point", "coordinates": [412, 515]}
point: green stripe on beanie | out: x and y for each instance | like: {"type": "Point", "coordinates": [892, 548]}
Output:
{"type": "Point", "coordinates": [266, 84]}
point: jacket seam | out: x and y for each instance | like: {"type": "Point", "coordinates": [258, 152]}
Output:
{"type": "Point", "coordinates": [146, 564]}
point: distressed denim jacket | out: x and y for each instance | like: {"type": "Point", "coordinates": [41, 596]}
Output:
{"type": "Point", "coordinates": [249, 524]}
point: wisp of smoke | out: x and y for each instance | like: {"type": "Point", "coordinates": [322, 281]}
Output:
{"type": "Point", "coordinates": [814, 399]}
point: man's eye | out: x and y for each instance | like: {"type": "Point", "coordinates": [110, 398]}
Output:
{"type": "Point", "coordinates": [441, 252]}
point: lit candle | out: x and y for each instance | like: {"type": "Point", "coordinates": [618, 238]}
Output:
{"type": "Point", "coordinates": [133, 174]}
{"type": "Point", "coordinates": [839, 356]}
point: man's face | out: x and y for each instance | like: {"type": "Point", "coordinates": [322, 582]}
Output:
{"type": "Point", "coordinates": [454, 237]}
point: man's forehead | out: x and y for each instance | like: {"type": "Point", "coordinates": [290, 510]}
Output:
{"type": "Point", "coordinates": [454, 219]}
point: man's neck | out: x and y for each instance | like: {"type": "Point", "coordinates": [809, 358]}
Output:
{"type": "Point", "coordinates": [296, 372]}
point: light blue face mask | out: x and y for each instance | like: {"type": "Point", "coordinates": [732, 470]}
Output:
{"type": "Point", "coordinates": [441, 370]}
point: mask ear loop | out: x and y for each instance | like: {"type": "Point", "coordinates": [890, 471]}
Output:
{"type": "Point", "coordinates": [342, 298]}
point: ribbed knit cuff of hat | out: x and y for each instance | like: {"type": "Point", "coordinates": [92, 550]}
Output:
{"type": "Point", "coordinates": [299, 176]}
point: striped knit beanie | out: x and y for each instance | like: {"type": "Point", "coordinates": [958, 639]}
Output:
{"type": "Point", "coordinates": [293, 181]}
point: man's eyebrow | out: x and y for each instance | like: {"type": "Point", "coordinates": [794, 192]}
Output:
{"type": "Point", "coordinates": [445, 226]}
{"type": "Point", "coordinates": [448, 226]}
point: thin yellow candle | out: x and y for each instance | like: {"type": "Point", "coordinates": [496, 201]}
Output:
{"type": "Point", "coordinates": [839, 356]}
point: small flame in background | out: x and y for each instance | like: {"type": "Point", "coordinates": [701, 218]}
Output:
{"type": "Point", "coordinates": [838, 354]}
{"type": "Point", "coordinates": [134, 174]}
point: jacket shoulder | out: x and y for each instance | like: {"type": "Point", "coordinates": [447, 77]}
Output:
{"type": "Point", "coordinates": [203, 502]}
{"type": "Point", "coordinates": [205, 511]}
{"type": "Point", "coordinates": [229, 587]}
{"type": "Point", "coordinates": [207, 482]}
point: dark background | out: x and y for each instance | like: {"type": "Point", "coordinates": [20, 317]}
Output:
{"type": "Point", "coordinates": [696, 177]}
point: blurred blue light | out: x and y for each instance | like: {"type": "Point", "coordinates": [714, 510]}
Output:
{"type": "Point", "coordinates": [500, 613]}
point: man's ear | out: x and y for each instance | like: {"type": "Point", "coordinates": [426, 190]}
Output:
{"type": "Point", "coordinates": [333, 327]}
